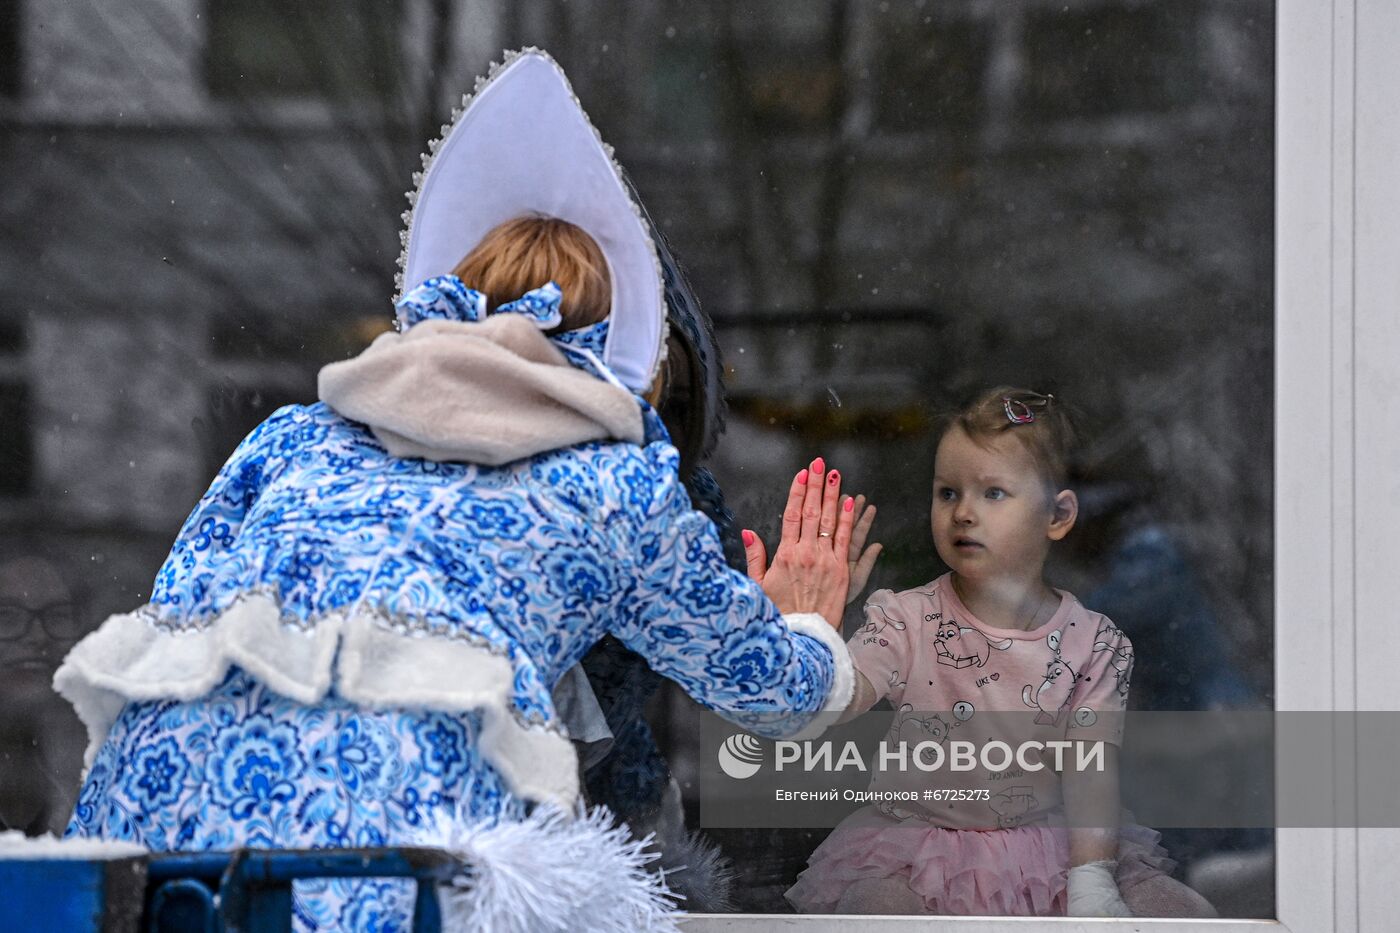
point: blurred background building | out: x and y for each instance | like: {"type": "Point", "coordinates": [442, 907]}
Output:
{"type": "Point", "coordinates": [884, 205]}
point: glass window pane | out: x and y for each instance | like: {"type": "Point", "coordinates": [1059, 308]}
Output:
{"type": "Point", "coordinates": [17, 453]}
{"type": "Point", "coordinates": [11, 70]}
{"type": "Point", "coordinates": [312, 48]}
{"type": "Point", "coordinates": [883, 208]}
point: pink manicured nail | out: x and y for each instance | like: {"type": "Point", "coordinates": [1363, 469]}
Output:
{"type": "Point", "coordinates": [747, 536]}
{"type": "Point", "coordinates": [802, 478]}
{"type": "Point", "coordinates": [833, 478]}
{"type": "Point", "coordinates": [850, 503]}
{"type": "Point", "coordinates": [818, 465]}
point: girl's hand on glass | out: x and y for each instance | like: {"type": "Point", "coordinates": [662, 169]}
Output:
{"type": "Point", "coordinates": [861, 559]}
{"type": "Point", "coordinates": [810, 571]}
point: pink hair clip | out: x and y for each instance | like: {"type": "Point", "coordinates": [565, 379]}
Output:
{"type": "Point", "coordinates": [1019, 411]}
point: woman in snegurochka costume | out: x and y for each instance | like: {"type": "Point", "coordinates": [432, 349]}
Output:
{"type": "Point", "coordinates": [356, 634]}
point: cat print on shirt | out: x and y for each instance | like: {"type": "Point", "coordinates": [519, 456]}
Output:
{"type": "Point", "coordinates": [960, 646]}
{"type": "Point", "coordinates": [1011, 806]}
{"type": "Point", "coordinates": [931, 724]}
{"type": "Point", "coordinates": [1122, 658]}
{"type": "Point", "coordinates": [872, 631]}
{"type": "Point", "coordinates": [1052, 696]}
{"type": "Point", "coordinates": [945, 661]}
{"type": "Point", "coordinates": [895, 683]}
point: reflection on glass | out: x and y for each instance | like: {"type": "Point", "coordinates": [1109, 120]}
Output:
{"type": "Point", "coordinates": [883, 208]}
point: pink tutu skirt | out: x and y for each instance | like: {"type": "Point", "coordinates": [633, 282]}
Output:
{"type": "Point", "coordinates": [960, 872]}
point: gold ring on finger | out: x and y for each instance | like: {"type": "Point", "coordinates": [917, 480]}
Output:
{"type": "Point", "coordinates": [823, 534]}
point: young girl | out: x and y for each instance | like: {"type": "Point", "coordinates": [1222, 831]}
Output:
{"type": "Point", "coordinates": [990, 650]}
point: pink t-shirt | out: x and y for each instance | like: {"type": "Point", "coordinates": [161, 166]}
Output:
{"type": "Point", "coordinates": [948, 674]}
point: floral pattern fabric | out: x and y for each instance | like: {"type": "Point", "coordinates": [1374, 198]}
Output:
{"type": "Point", "coordinates": [533, 560]}
{"type": "Point", "coordinates": [244, 766]}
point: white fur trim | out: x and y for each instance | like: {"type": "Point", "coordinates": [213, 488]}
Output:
{"type": "Point", "coordinates": [129, 658]}
{"type": "Point", "coordinates": [379, 667]}
{"type": "Point", "coordinates": [843, 680]}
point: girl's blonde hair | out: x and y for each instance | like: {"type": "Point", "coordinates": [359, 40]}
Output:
{"type": "Point", "coordinates": [527, 252]}
{"type": "Point", "coordinates": [1042, 423]}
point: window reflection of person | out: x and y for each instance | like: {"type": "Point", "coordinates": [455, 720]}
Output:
{"type": "Point", "coordinates": [1148, 582]}
{"type": "Point", "coordinates": [38, 732]}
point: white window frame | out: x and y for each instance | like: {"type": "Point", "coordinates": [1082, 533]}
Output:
{"type": "Point", "coordinates": [1337, 505]}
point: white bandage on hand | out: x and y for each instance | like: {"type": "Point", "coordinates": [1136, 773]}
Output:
{"type": "Point", "coordinates": [1094, 893]}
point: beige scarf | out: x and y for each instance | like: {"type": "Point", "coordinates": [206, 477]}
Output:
{"type": "Point", "coordinates": [486, 392]}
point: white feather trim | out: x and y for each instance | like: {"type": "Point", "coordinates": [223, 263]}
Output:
{"type": "Point", "coordinates": [699, 873]}
{"type": "Point", "coordinates": [843, 679]}
{"type": "Point", "coordinates": [553, 871]}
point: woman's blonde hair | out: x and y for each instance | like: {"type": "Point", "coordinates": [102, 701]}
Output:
{"type": "Point", "coordinates": [527, 252]}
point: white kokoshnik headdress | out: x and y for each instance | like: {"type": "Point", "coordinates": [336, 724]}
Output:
{"type": "Point", "coordinates": [520, 145]}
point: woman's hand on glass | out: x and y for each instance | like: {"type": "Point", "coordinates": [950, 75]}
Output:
{"type": "Point", "coordinates": [810, 571]}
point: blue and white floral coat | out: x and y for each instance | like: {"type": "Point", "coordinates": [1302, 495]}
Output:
{"type": "Point", "coordinates": [341, 641]}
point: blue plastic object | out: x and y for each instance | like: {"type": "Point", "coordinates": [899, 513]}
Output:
{"type": "Point", "coordinates": [243, 891]}
{"type": "Point", "coordinates": [63, 895]}
{"type": "Point", "coordinates": [250, 890]}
